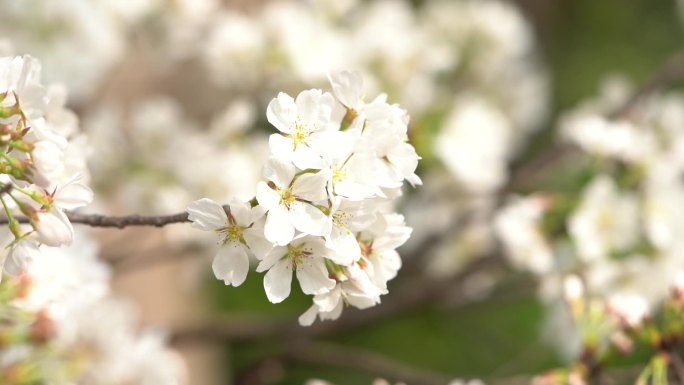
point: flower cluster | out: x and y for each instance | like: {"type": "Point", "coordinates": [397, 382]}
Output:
{"type": "Point", "coordinates": [41, 173]}
{"type": "Point", "coordinates": [324, 210]}
{"type": "Point", "coordinates": [59, 322]}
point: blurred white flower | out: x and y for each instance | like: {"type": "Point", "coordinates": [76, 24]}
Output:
{"type": "Point", "coordinates": [606, 220]}
{"type": "Point", "coordinates": [518, 225]}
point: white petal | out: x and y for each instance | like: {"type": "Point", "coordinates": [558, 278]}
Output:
{"type": "Point", "coordinates": [308, 219]}
{"type": "Point", "coordinates": [53, 228]}
{"type": "Point", "coordinates": [278, 171]}
{"type": "Point", "coordinates": [279, 229]}
{"type": "Point", "coordinates": [256, 240]}
{"type": "Point", "coordinates": [310, 187]}
{"type": "Point", "coordinates": [281, 112]}
{"type": "Point", "coordinates": [345, 246]}
{"type": "Point", "coordinates": [281, 147]}
{"type": "Point", "coordinates": [333, 314]}
{"type": "Point", "coordinates": [206, 214]}
{"type": "Point", "coordinates": [314, 107]}
{"type": "Point", "coordinates": [313, 276]}
{"type": "Point", "coordinates": [329, 301]}
{"type": "Point", "coordinates": [334, 145]}
{"type": "Point", "coordinates": [305, 157]}
{"type": "Point", "coordinates": [309, 316]}
{"type": "Point", "coordinates": [267, 197]}
{"type": "Point", "coordinates": [347, 87]}
{"type": "Point", "coordinates": [73, 193]}
{"type": "Point", "coordinates": [275, 255]}
{"type": "Point", "coordinates": [257, 212]}
{"type": "Point", "coordinates": [278, 281]}
{"type": "Point", "coordinates": [404, 158]}
{"type": "Point", "coordinates": [20, 257]}
{"type": "Point", "coordinates": [231, 264]}
{"type": "Point", "coordinates": [241, 212]}
{"type": "Point", "coordinates": [353, 190]}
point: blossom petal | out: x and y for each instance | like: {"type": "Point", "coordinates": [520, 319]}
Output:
{"type": "Point", "coordinates": [278, 171]}
{"type": "Point", "coordinates": [231, 264]}
{"type": "Point", "coordinates": [275, 255]}
{"type": "Point", "coordinates": [278, 281]}
{"type": "Point", "coordinates": [309, 316]}
{"type": "Point", "coordinates": [308, 219]}
{"type": "Point", "coordinates": [310, 187]}
{"type": "Point", "coordinates": [205, 214]}
{"type": "Point", "coordinates": [305, 158]}
{"type": "Point", "coordinates": [267, 197]}
{"type": "Point", "coordinates": [279, 229]}
{"type": "Point", "coordinates": [256, 241]}
{"type": "Point", "coordinates": [281, 147]}
{"type": "Point", "coordinates": [345, 245]}
{"type": "Point", "coordinates": [73, 193]}
{"type": "Point", "coordinates": [281, 112]}
{"type": "Point", "coordinates": [313, 276]}
{"type": "Point", "coordinates": [241, 212]}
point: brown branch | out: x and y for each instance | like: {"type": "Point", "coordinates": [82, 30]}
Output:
{"type": "Point", "coordinates": [120, 222]}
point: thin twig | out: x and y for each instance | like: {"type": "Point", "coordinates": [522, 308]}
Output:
{"type": "Point", "coordinates": [120, 222]}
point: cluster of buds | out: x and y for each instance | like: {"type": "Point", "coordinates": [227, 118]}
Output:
{"type": "Point", "coordinates": [325, 209]}
{"type": "Point", "coordinates": [36, 181]}
{"type": "Point", "coordinates": [615, 326]}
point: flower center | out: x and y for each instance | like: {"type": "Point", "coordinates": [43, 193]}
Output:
{"type": "Point", "coordinates": [300, 135]}
{"type": "Point", "coordinates": [286, 197]}
{"type": "Point", "coordinates": [340, 219]}
{"type": "Point", "coordinates": [339, 174]}
{"type": "Point", "coordinates": [232, 234]}
{"type": "Point", "coordinates": [297, 253]}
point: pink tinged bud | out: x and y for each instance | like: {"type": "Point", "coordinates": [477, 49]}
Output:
{"type": "Point", "coordinates": [630, 309]}
{"type": "Point", "coordinates": [48, 161]}
{"type": "Point", "coordinates": [53, 228]}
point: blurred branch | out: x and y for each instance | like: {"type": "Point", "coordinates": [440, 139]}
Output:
{"type": "Point", "coordinates": [362, 360]}
{"type": "Point", "coordinates": [413, 295]}
{"type": "Point", "coordinates": [669, 73]}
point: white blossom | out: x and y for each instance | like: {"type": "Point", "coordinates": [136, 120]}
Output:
{"type": "Point", "coordinates": [306, 257]}
{"type": "Point", "coordinates": [291, 202]}
{"type": "Point", "coordinates": [241, 231]}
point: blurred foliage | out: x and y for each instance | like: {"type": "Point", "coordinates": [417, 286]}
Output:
{"type": "Point", "coordinates": [582, 42]}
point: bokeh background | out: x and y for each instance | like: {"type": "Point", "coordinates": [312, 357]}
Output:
{"type": "Point", "coordinates": [172, 96]}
